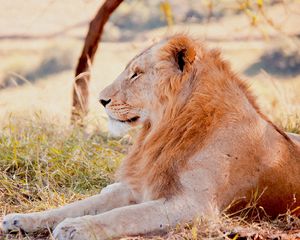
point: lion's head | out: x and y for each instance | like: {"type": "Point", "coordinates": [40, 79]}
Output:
{"type": "Point", "coordinates": [149, 82]}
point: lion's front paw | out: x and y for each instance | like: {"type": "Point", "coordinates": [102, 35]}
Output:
{"type": "Point", "coordinates": [16, 222]}
{"type": "Point", "coordinates": [75, 229]}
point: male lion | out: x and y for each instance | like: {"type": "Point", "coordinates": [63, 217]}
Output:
{"type": "Point", "coordinates": [203, 143]}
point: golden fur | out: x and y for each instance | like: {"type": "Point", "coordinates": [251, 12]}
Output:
{"type": "Point", "coordinates": [213, 96]}
{"type": "Point", "coordinates": [203, 143]}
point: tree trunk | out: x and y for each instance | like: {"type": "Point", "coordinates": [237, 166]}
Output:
{"type": "Point", "coordinates": [82, 74]}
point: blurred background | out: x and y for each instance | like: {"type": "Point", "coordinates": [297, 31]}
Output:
{"type": "Point", "coordinates": [41, 41]}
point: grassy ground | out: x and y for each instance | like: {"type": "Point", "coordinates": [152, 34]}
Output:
{"type": "Point", "coordinates": [43, 165]}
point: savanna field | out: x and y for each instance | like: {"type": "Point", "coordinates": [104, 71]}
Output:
{"type": "Point", "coordinates": [46, 163]}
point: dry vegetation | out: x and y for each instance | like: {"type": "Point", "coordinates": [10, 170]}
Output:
{"type": "Point", "coordinates": [44, 163]}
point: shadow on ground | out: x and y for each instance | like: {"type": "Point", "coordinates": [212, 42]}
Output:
{"type": "Point", "coordinates": [52, 62]}
{"type": "Point", "coordinates": [277, 62]}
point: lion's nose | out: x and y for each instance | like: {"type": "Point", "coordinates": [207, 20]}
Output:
{"type": "Point", "coordinates": [104, 102]}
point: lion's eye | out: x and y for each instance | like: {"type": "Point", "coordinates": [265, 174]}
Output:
{"type": "Point", "coordinates": [134, 76]}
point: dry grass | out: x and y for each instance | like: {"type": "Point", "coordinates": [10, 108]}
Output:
{"type": "Point", "coordinates": [44, 165]}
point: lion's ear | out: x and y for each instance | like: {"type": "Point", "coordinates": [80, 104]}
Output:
{"type": "Point", "coordinates": [182, 51]}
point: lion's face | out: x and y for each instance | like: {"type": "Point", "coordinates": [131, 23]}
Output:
{"type": "Point", "coordinates": [128, 100]}
{"type": "Point", "coordinates": [136, 95]}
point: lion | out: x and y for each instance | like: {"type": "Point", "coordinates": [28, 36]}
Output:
{"type": "Point", "coordinates": [203, 142]}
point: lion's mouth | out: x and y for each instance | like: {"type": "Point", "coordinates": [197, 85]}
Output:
{"type": "Point", "coordinates": [130, 120]}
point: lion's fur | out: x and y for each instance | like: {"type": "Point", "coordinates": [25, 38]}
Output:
{"type": "Point", "coordinates": [203, 144]}
{"type": "Point", "coordinates": [197, 103]}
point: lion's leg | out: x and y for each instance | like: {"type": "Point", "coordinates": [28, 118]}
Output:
{"type": "Point", "coordinates": [115, 195]}
{"type": "Point", "coordinates": [136, 219]}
